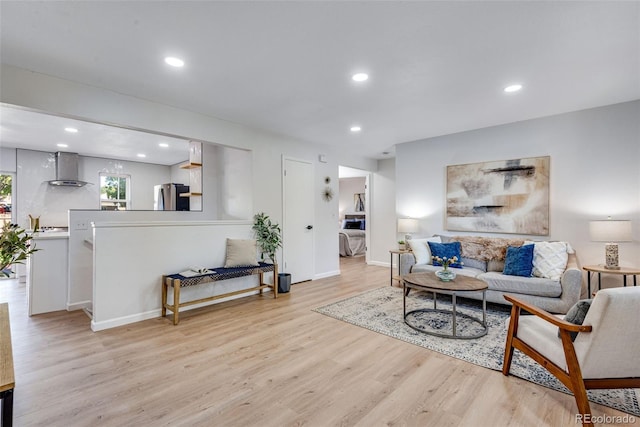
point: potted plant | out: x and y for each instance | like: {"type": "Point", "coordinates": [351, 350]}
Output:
{"type": "Point", "coordinates": [269, 239]}
{"type": "Point", "coordinates": [268, 235]}
{"type": "Point", "coordinates": [402, 245]}
{"type": "Point", "coordinates": [15, 247]}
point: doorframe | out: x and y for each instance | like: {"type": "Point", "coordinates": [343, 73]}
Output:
{"type": "Point", "coordinates": [284, 210]}
{"type": "Point", "coordinates": [367, 214]}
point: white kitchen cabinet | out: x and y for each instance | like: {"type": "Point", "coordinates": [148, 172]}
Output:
{"type": "Point", "coordinates": [48, 272]}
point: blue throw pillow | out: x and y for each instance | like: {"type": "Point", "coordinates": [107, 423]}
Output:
{"type": "Point", "coordinates": [446, 250]}
{"type": "Point", "coordinates": [519, 261]}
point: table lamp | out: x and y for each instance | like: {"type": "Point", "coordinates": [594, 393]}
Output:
{"type": "Point", "coordinates": [612, 232]}
{"type": "Point", "coordinates": [407, 226]}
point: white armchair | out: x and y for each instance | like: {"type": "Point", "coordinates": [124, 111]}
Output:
{"type": "Point", "coordinates": [604, 355]}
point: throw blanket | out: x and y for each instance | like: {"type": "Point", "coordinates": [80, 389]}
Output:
{"type": "Point", "coordinates": [352, 242]}
{"type": "Point", "coordinates": [486, 248]}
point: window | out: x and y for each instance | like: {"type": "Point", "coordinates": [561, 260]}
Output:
{"type": "Point", "coordinates": [115, 193]}
{"type": "Point", "coordinates": [6, 189]}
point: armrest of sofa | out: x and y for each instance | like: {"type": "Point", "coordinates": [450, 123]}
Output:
{"type": "Point", "coordinates": [571, 282]}
{"type": "Point", "coordinates": [407, 260]}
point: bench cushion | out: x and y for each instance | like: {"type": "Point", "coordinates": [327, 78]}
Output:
{"type": "Point", "coordinates": [221, 273]}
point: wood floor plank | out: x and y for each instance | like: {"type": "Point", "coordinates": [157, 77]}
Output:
{"type": "Point", "coordinates": [258, 361]}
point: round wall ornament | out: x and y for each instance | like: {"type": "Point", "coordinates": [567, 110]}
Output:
{"type": "Point", "coordinates": [327, 180]}
{"type": "Point", "coordinates": [327, 194]}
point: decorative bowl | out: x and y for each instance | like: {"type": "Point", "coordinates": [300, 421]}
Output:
{"type": "Point", "coordinates": [446, 275]}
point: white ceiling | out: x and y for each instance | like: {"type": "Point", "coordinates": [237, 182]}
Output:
{"type": "Point", "coordinates": [435, 67]}
{"type": "Point", "coordinates": [21, 128]}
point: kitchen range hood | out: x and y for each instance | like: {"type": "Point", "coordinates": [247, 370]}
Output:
{"type": "Point", "coordinates": [67, 170]}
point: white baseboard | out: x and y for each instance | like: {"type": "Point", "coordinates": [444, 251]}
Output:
{"type": "Point", "coordinates": [78, 305]}
{"type": "Point", "coordinates": [125, 320]}
{"type": "Point", "coordinates": [380, 263]}
{"type": "Point", "coordinates": [139, 317]}
{"type": "Point", "coordinates": [327, 274]}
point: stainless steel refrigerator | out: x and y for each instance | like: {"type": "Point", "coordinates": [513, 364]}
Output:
{"type": "Point", "coordinates": [167, 197]}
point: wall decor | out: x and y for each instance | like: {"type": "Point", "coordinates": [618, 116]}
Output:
{"type": "Point", "coordinates": [508, 196]}
{"type": "Point", "coordinates": [327, 194]}
{"type": "Point", "coordinates": [358, 202]}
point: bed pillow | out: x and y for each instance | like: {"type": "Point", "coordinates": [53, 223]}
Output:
{"type": "Point", "coordinates": [353, 225]}
{"type": "Point", "coordinates": [241, 253]}
{"type": "Point", "coordinates": [550, 259]}
{"type": "Point", "coordinates": [421, 250]}
{"type": "Point", "coordinates": [519, 261]}
{"type": "Point", "coordinates": [446, 250]}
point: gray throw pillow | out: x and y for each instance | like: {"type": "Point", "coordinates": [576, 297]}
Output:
{"type": "Point", "coordinates": [576, 315]}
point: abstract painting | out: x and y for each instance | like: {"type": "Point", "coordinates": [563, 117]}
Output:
{"type": "Point", "coordinates": [508, 196]}
{"type": "Point", "coordinates": [358, 202]}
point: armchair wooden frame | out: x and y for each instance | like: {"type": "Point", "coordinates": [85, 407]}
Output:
{"type": "Point", "coordinates": [572, 377]}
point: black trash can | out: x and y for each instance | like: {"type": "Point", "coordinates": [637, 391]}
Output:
{"type": "Point", "coordinates": [284, 283]}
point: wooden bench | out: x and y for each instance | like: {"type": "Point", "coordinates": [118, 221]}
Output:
{"type": "Point", "coordinates": [7, 379]}
{"type": "Point", "coordinates": [178, 281]}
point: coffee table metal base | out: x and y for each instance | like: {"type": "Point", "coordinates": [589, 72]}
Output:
{"type": "Point", "coordinates": [454, 315]}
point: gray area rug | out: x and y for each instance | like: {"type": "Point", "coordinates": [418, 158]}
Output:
{"type": "Point", "coordinates": [380, 310]}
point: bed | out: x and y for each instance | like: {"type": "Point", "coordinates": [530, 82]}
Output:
{"type": "Point", "coordinates": [352, 236]}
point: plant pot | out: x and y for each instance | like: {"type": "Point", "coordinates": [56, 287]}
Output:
{"type": "Point", "coordinates": [284, 283]}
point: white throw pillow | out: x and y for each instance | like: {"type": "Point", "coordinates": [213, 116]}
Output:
{"type": "Point", "coordinates": [421, 249]}
{"type": "Point", "coordinates": [550, 259]}
{"type": "Point", "coordinates": [241, 253]}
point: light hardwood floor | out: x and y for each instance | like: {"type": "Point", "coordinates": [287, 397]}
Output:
{"type": "Point", "coordinates": [258, 361]}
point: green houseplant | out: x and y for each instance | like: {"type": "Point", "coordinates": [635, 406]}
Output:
{"type": "Point", "coordinates": [15, 247]}
{"type": "Point", "coordinates": [268, 235]}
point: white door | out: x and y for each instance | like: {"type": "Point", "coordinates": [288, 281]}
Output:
{"type": "Point", "coordinates": [297, 230]}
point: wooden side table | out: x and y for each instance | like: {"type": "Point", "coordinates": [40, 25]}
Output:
{"type": "Point", "coordinates": [600, 268]}
{"type": "Point", "coordinates": [396, 252]}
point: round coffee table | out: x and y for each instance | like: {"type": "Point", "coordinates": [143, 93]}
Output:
{"type": "Point", "coordinates": [429, 282]}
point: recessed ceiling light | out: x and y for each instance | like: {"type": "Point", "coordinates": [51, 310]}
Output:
{"type": "Point", "coordinates": [174, 62]}
{"type": "Point", "coordinates": [360, 77]}
{"type": "Point", "coordinates": [513, 88]}
{"type": "Point", "coordinates": [163, 145]}
{"type": "Point", "coordinates": [71, 130]}
{"type": "Point", "coordinates": [61, 145]}
{"type": "Point", "coordinates": [355, 129]}
{"type": "Point", "coordinates": [141, 155]}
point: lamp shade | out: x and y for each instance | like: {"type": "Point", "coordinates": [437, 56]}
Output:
{"type": "Point", "coordinates": [610, 231]}
{"type": "Point", "coordinates": [407, 225]}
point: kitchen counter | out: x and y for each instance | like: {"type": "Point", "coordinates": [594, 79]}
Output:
{"type": "Point", "coordinates": [46, 235]}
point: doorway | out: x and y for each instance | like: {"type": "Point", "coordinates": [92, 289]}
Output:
{"type": "Point", "coordinates": [354, 205]}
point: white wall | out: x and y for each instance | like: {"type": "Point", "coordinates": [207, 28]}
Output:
{"type": "Point", "coordinates": [595, 158]}
{"type": "Point", "coordinates": [130, 258]}
{"type": "Point", "coordinates": [382, 208]}
{"type": "Point", "coordinates": [349, 187]}
{"type": "Point", "coordinates": [7, 159]}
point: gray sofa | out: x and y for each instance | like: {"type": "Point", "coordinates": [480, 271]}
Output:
{"type": "Point", "coordinates": [555, 296]}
